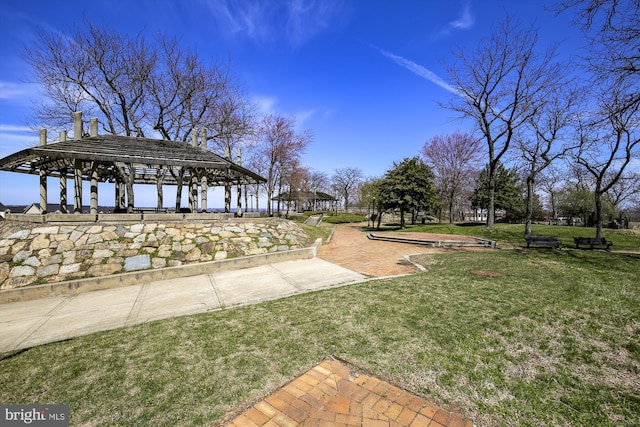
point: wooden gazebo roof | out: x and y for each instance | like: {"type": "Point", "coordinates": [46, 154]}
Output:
{"type": "Point", "coordinates": [301, 195]}
{"type": "Point", "coordinates": [147, 156]}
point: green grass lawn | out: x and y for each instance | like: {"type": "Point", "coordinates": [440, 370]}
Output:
{"type": "Point", "coordinates": [553, 340]}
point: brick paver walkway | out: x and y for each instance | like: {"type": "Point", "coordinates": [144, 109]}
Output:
{"type": "Point", "coordinates": [328, 395]}
{"type": "Point", "coordinates": [350, 248]}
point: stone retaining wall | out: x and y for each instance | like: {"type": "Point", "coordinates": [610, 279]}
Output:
{"type": "Point", "coordinates": [49, 253]}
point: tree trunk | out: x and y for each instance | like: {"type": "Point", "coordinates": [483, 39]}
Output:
{"type": "Point", "coordinates": [346, 201]}
{"type": "Point", "coordinates": [279, 198]}
{"type": "Point", "coordinates": [491, 208]}
{"type": "Point", "coordinates": [451, 203]}
{"type": "Point", "coordinates": [529, 213]}
{"type": "Point", "coordinates": [269, 195]}
{"type": "Point", "coordinates": [598, 200]}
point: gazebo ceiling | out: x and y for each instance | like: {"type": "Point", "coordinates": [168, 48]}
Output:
{"type": "Point", "coordinates": [148, 157]}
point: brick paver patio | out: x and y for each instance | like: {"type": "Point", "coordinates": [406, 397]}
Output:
{"type": "Point", "coordinates": [330, 395]}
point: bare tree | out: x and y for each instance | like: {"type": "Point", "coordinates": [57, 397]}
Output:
{"type": "Point", "coordinates": [612, 28]}
{"type": "Point", "coordinates": [279, 146]}
{"type": "Point", "coordinates": [317, 181]}
{"type": "Point", "coordinates": [552, 180]}
{"type": "Point", "coordinates": [135, 87]}
{"type": "Point", "coordinates": [625, 190]}
{"type": "Point", "coordinates": [314, 182]}
{"type": "Point", "coordinates": [345, 181]}
{"type": "Point", "coordinates": [609, 139]}
{"type": "Point", "coordinates": [608, 133]}
{"type": "Point", "coordinates": [454, 160]}
{"type": "Point", "coordinates": [96, 71]}
{"type": "Point", "coordinates": [538, 152]}
{"type": "Point", "coordinates": [257, 163]}
{"type": "Point", "coordinates": [294, 177]}
{"type": "Point", "coordinates": [501, 86]}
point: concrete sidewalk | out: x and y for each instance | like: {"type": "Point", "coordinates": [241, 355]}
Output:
{"type": "Point", "coordinates": [29, 323]}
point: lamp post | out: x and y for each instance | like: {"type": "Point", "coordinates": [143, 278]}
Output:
{"type": "Point", "coordinates": [374, 211]}
{"type": "Point", "coordinates": [315, 197]}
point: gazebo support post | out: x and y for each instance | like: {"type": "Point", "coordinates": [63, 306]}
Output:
{"type": "Point", "coordinates": [193, 192]}
{"type": "Point", "coordinates": [117, 200]}
{"type": "Point", "coordinates": [204, 185]}
{"type": "Point", "coordinates": [94, 171]}
{"type": "Point", "coordinates": [77, 167]}
{"type": "Point", "coordinates": [160, 173]}
{"type": "Point", "coordinates": [227, 184]}
{"type": "Point", "coordinates": [77, 186]}
{"type": "Point", "coordinates": [63, 180]}
{"type": "Point", "coordinates": [94, 127]}
{"type": "Point", "coordinates": [239, 186]}
{"type": "Point", "coordinates": [43, 177]}
{"type": "Point", "coordinates": [63, 191]}
{"type": "Point", "coordinates": [129, 187]}
{"type": "Point", "coordinates": [94, 189]}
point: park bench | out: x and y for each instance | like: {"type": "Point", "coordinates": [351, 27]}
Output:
{"type": "Point", "coordinates": [592, 242]}
{"type": "Point", "coordinates": [542, 241]}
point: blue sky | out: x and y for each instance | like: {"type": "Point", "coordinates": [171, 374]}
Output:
{"type": "Point", "coordinates": [365, 76]}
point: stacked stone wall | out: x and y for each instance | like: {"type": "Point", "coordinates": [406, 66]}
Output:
{"type": "Point", "coordinates": [48, 253]}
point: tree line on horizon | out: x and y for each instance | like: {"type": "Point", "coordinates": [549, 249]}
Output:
{"type": "Point", "coordinates": [574, 137]}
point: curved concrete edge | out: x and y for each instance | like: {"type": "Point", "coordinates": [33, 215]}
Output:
{"type": "Point", "coordinates": [29, 293]}
{"type": "Point", "coordinates": [480, 242]}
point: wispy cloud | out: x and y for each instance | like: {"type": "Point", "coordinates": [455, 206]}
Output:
{"type": "Point", "coordinates": [419, 70]}
{"type": "Point", "coordinates": [15, 138]}
{"type": "Point", "coordinates": [265, 22]}
{"type": "Point", "coordinates": [465, 22]}
{"type": "Point", "coordinates": [302, 116]}
{"type": "Point", "coordinates": [250, 18]}
{"type": "Point", "coordinates": [308, 18]}
{"type": "Point", "coordinates": [265, 104]}
{"type": "Point", "coordinates": [13, 128]}
{"type": "Point", "coordinates": [20, 92]}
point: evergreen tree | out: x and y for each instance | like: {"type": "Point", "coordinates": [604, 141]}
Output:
{"type": "Point", "coordinates": [508, 194]}
{"type": "Point", "coordinates": [407, 187]}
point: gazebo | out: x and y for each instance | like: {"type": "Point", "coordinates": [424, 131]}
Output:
{"type": "Point", "coordinates": [125, 161]}
{"type": "Point", "coordinates": [307, 200]}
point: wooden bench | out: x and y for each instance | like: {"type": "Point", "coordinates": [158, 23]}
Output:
{"type": "Point", "coordinates": [592, 242]}
{"type": "Point", "coordinates": [542, 241]}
